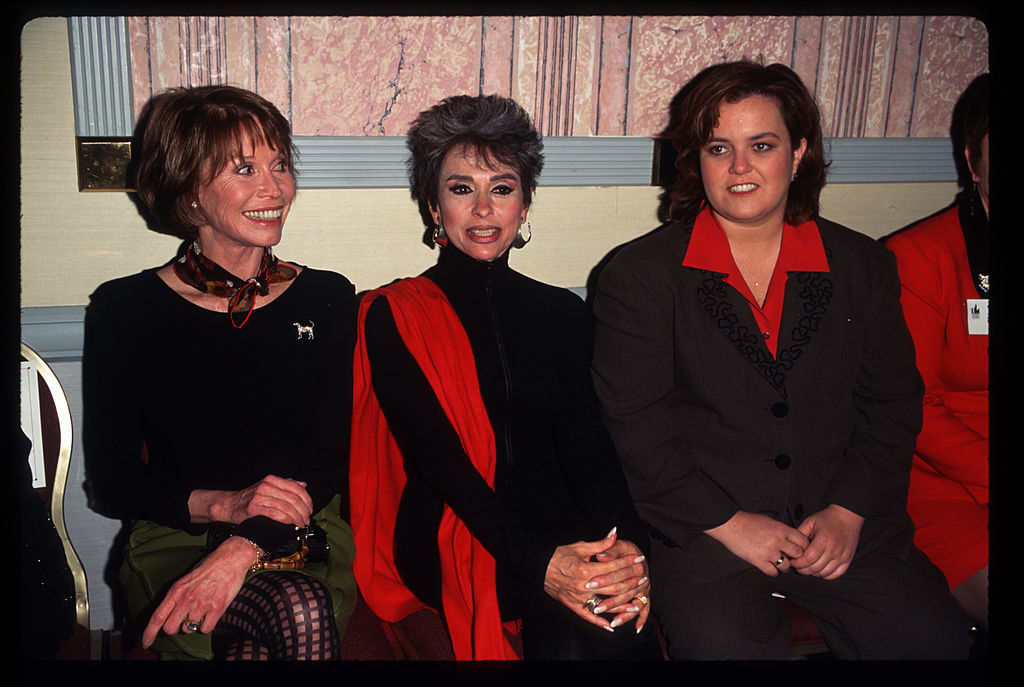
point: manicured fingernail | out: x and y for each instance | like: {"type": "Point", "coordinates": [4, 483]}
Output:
{"type": "Point", "coordinates": [616, 622]}
{"type": "Point", "coordinates": [599, 610]}
{"type": "Point", "coordinates": [642, 582]}
{"type": "Point", "coordinates": [611, 533]}
{"type": "Point", "coordinates": [638, 559]}
{"type": "Point", "coordinates": [591, 585]}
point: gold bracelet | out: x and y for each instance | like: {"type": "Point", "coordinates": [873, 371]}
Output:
{"type": "Point", "coordinates": [260, 556]}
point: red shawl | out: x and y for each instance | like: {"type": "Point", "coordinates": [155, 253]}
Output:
{"type": "Point", "coordinates": [436, 339]}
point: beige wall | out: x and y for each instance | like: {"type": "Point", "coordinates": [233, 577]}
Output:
{"type": "Point", "coordinates": [72, 241]}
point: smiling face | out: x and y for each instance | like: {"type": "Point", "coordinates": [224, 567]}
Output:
{"type": "Point", "coordinates": [748, 164]}
{"type": "Point", "coordinates": [246, 203]}
{"type": "Point", "coordinates": [480, 207]}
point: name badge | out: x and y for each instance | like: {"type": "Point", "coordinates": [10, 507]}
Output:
{"type": "Point", "coordinates": [977, 316]}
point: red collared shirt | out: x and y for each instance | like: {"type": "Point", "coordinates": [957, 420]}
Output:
{"type": "Point", "coordinates": [801, 251]}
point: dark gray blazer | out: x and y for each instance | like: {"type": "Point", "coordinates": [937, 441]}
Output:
{"type": "Point", "coordinates": [707, 423]}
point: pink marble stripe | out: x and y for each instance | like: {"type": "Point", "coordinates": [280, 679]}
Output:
{"type": "Point", "coordinates": [496, 55]}
{"type": "Point", "coordinates": [612, 76]}
{"type": "Point", "coordinates": [577, 75]}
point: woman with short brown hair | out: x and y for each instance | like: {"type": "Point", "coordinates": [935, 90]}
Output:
{"type": "Point", "coordinates": [217, 392]}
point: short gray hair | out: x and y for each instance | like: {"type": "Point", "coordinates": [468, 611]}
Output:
{"type": "Point", "coordinates": [496, 128]}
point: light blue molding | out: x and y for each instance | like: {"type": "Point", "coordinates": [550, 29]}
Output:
{"type": "Point", "coordinates": [55, 332]}
{"type": "Point", "coordinates": [101, 76]}
{"type": "Point", "coordinates": [351, 162]}
{"type": "Point", "coordinates": [380, 161]}
{"type": "Point", "coordinates": [890, 160]}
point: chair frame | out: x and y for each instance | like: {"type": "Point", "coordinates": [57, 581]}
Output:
{"type": "Point", "coordinates": [60, 480]}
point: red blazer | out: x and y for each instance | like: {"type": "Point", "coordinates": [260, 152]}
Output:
{"type": "Point", "coordinates": [951, 459]}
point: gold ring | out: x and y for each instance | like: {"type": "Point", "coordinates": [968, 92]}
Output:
{"type": "Point", "coordinates": [593, 601]}
{"type": "Point", "coordinates": [190, 625]}
{"type": "Point", "coordinates": [782, 559]}
{"type": "Point", "coordinates": [642, 598]}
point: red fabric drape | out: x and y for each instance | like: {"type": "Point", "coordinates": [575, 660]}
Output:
{"type": "Point", "coordinates": [437, 341]}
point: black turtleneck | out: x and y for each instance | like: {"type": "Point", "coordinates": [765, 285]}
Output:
{"type": "Point", "coordinates": [557, 479]}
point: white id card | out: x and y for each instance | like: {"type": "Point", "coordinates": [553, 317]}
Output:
{"type": "Point", "coordinates": [977, 316]}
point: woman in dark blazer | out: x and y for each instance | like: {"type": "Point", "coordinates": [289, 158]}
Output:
{"type": "Point", "coordinates": [758, 379]}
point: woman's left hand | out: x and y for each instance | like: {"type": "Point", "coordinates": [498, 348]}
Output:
{"type": "Point", "coordinates": [204, 592]}
{"type": "Point", "coordinates": [834, 532]}
{"type": "Point", "coordinates": [278, 498]}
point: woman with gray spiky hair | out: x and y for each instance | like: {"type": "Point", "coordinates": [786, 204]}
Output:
{"type": "Point", "coordinates": [483, 483]}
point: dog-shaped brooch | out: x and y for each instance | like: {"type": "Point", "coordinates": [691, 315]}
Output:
{"type": "Point", "coordinates": [306, 329]}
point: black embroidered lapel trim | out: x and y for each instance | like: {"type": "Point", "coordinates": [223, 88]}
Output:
{"type": "Point", "coordinates": [713, 295]}
{"type": "Point", "coordinates": [813, 292]}
{"type": "Point", "coordinates": [809, 292]}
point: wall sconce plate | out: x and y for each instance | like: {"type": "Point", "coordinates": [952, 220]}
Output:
{"type": "Point", "coordinates": [103, 163]}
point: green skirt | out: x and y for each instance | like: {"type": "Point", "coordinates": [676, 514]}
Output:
{"type": "Point", "coordinates": [156, 556]}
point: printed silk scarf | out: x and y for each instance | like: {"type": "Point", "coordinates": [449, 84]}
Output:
{"type": "Point", "coordinates": [203, 274]}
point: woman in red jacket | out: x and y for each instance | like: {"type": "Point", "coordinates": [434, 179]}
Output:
{"type": "Point", "coordinates": [943, 266]}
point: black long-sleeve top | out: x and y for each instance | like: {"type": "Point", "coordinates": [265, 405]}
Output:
{"type": "Point", "coordinates": [214, 406]}
{"type": "Point", "coordinates": [557, 478]}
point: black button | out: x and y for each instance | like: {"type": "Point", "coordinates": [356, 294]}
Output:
{"type": "Point", "coordinates": [782, 461]}
{"type": "Point", "coordinates": [780, 409]}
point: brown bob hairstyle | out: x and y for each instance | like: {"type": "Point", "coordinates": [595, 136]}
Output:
{"type": "Point", "coordinates": [693, 115]}
{"type": "Point", "coordinates": [186, 136]}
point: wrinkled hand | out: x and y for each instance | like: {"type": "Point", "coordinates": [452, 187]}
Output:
{"type": "Point", "coordinates": [203, 593]}
{"type": "Point", "coordinates": [761, 541]}
{"type": "Point", "coordinates": [624, 588]}
{"type": "Point", "coordinates": [278, 498]}
{"type": "Point", "coordinates": [834, 533]}
{"type": "Point", "coordinates": [571, 569]}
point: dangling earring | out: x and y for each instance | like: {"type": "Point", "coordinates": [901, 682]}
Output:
{"type": "Point", "coordinates": [522, 237]}
{"type": "Point", "coordinates": [195, 205]}
{"type": "Point", "coordinates": [440, 238]}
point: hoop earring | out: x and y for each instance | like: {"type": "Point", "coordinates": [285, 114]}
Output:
{"type": "Point", "coordinates": [440, 238]}
{"type": "Point", "coordinates": [522, 238]}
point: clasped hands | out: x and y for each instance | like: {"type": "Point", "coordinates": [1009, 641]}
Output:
{"type": "Point", "coordinates": [198, 599]}
{"type": "Point", "coordinates": [822, 545]}
{"type": "Point", "coordinates": [612, 568]}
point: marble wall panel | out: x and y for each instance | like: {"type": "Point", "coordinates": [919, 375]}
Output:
{"type": "Point", "coordinates": [947, 44]}
{"type": "Point", "coordinates": [873, 76]}
{"type": "Point", "coordinates": [668, 51]}
{"type": "Point", "coordinates": [371, 76]}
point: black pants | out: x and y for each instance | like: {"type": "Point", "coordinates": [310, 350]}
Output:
{"type": "Point", "coordinates": [886, 606]}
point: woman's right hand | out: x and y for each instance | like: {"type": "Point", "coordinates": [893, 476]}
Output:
{"type": "Point", "coordinates": [278, 498]}
{"type": "Point", "coordinates": [764, 542]}
{"type": "Point", "coordinates": [203, 593]}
